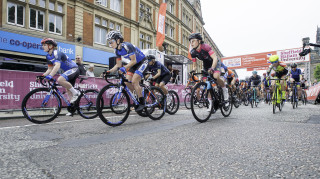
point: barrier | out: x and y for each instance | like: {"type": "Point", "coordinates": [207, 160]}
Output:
{"type": "Point", "coordinates": [313, 92]}
{"type": "Point", "coordinates": [14, 85]}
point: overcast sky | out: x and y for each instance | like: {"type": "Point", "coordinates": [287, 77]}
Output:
{"type": "Point", "coordinates": [240, 27]}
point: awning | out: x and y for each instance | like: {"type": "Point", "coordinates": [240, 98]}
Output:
{"type": "Point", "coordinates": [177, 59]}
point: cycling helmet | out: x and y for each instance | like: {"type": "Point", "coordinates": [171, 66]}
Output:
{"type": "Point", "coordinates": [264, 74]}
{"type": "Point", "coordinates": [254, 72]}
{"type": "Point", "coordinates": [114, 35]}
{"type": "Point", "coordinates": [49, 41]}
{"type": "Point", "coordinates": [195, 36]}
{"type": "Point", "coordinates": [151, 57]}
{"type": "Point", "coordinates": [294, 65]}
{"type": "Point", "coordinates": [274, 58]}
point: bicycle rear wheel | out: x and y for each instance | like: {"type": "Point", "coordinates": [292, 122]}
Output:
{"type": "Point", "coordinates": [236, 100]}
{"type": "Point", "coordinates": [155, 102]}
{"type": "Point", "coordinates": [274, 101]}
{"type": "Point", "coordinates": [200, 107]}
{"type": "Point", "coordinates": [187, 101]}
{"type": "Point", "coordinates": [173, 102]}
{"type": "Point", "coordinates": [246, 99]}
{"type": "Point", "coordinates": [113, 105]}
{"type": "Point", "coordinates": [39, 106]}
{"type": "Point", "coordinates": [87, 104]}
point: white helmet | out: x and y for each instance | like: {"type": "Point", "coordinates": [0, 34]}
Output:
{"type": "Point", "coordinates": [114, 35]}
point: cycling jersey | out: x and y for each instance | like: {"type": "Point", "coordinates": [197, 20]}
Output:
{"type": "Point", "coordinates": [230, 74]}
{"type": "Point", "coordinates": [256, 80]}
{"type": "Point", "coordinates": [63, 59]}
{"type": "Point", "coordinates": [265, 82]}
{"type": "Point", "coordinates": [280, 70]}
{"type": "Point", "coordinates": [295, 74]}
{"type": "Point", "coordinates": [204, 54]}
{"type": "Point", "coordinates": [127, 50]}
{"type": "Point", "coordinates": [157, 65]}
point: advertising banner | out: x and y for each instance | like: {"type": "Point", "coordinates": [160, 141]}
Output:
{"type": "Point", "coordinates": [26, 44]}
{"type": "Point", "coordinates": [261, 59]}
{"type": "Point", "coordinates": [15, 85]}
{"type": "Point", "coordinates": [161, 24]}
{"type": "Point", "coordinates": [313, 92]}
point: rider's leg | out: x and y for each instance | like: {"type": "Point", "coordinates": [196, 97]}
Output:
{"type": "Point", "coordinates": [283, 88]}
{"type": "Point", "coordinates": [72, 93]}
{"type": "Point", "coordinates": [129, 84]}
{"type": "Point", "coordinates": [220, 82]}
{"type": "Point", "coordinates": [299, 91]}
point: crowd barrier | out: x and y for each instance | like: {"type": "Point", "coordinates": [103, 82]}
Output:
{"type": "Point", "coordinates": [14, 85]}
{"type": "Point", "coordinates": [313, 92]}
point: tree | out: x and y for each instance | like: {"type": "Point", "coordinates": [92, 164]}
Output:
{"type": "Point", "coordinates": [317, 73]}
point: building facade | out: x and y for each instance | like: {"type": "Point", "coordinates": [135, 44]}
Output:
{"type": "Point", "coordinates": [80, 27]}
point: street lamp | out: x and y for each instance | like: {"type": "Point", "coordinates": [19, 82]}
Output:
{"type": "Point", "coordinates": [305, 40]}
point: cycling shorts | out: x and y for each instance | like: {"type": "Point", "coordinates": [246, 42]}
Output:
{"type": "Point", "coordinates": [139, 68]}
{"type": "Point", "coordinates": [165, 79]}
{"type": "Point", "coordinates": [71, 75]}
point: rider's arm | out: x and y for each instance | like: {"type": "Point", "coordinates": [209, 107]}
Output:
{"type": "Point", "coordinates": [50, 67]}
{"type": "Point", "coordinates": [215, 60]}
{"type": "Point", "coordinates": [132, 62]}
{"type": "Point", "coordinates": [55, 68]}
{"type": "Point", "coordinates": [194, 65]}
{"type": "Point", "coordinates": [117, 66]}
{"type": "Point", "coordinates": [157, 75]}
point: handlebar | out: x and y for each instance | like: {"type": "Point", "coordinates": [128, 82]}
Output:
{"type": "Point", "coordinates": [51, 82]}
{"type": "Point", "coordinates": [203, 73]}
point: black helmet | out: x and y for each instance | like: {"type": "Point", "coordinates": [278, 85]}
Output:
{"type": "Point", "coordinates": [293, 65]}
{"type": "Point", "coordinates": [195, 36]}
{"type": "Point", "coordinates": [151, 57]}
{"type": "Point", "coordinates": [114, 35]}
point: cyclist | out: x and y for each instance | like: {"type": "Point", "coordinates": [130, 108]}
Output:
{"type": "Point", "coordinates": [162, 74]}
{"type": "Point", "coordinates": [231, 78]}
{"type": "Point", "coordinates": [295, 75]}
{"type": "Point", "coordinates": [265, 86]}
{"type": "Point", "coordinates": [135, 68]}
{"type": "Point", "coordinates": [255, 80]}
{"type": "Point", "coordinates": [279, 70]}
{"type": "Point", "coordinates": [211, 63]}
{"type": "Point", "coordinates": [57, 60]}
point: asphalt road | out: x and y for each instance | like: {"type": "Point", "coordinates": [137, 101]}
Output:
{"type": "Point", "coordinates": [251, 143]}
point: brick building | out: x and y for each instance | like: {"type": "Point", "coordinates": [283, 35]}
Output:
{"type": "Point", "coordinates": [80, 27]}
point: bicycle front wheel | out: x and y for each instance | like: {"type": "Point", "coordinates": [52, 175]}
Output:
{"type": "Point", "coordinates": [113, 105]}
{"type": "Point", "coordinates": [39, 106]}
{"type": "Point", "coordinates": [226, 108]}
{"type": "Point", "coordinates": [173, 102]}
{"type": "Point", "coordinates": [200, 108]}
{"type": "Point", "coordinates": [87, 104]}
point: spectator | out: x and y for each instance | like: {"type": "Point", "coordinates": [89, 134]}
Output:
{"type": "Point", "coordinates": [174, 74]}
{"type": "Point", "coordinates": [80, 65]}
{"type": "Point", "coordinates": [90, 71]}
{"type": "Point", "coordinates": [314, 83]}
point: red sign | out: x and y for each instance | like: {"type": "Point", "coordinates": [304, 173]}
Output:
{"type": "Point", "coordinates": [313, 92]}
{"type": "Point", "coordinates": [161, 24]}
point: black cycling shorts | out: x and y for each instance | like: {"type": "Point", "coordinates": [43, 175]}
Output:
{"type": "Point", "coordinates": [140, 68]}
{"type": "Point", "coordinates": [165, 79]}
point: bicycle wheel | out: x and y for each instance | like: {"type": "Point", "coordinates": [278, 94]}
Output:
{"type": "Point", "coordinates": [293, 99]}
{"type": "Point", "coordinates": [39, 106]}
{"type": "Point", "coordinates": [173, 102]}
{"type": "Point", "coordinates": [252, 99]}
{"type": "Point", "coordinates": [274, 101]}
{"type": "Point", "coordinates": [113, 105]}
{"type": "Point", "coordinates": [226, 108]}
{"type": "Point", "coordinates": [155, 102]}
{"type": "Point", "coordinates": [200, 107]}
{"type": "Point", "coordinates": [303, 98]}
{"type": "Point", "coordinates": [246, 99]}
{"type": "Point", "coordinates": [236, 100]}
{"type": "Point", "coordinates": [87, 104]}
{"type": "Point", "coordinates": [187, 101]}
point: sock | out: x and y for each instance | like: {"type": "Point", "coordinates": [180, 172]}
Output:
{"type": "Point", "coordinates": [73, 91]}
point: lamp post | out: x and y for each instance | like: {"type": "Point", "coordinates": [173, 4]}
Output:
{"type": "Point", "coordinates": [307, 74]}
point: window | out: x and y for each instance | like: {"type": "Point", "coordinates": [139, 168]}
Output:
{"type": "Point", "coordinates": [118, 28]}
{"type": "Point", "coordinates": [148, 38]}
{"type": "Point", "coordinates": [141, 44]}
{"type": "Point", "coordinates": [111, 25]}
{"type": "Point", "coordinates": [55, 24]}
{"type": "Point", "coordinates": [36, 19]}
{"type": "Point", "coordinates": [166, 29]}
{"type": "Point", "coordinates": [102, 2]}
{"type": "Point", "coordinates": [97, 20]}
{"type": "Point", "coordinates": [42, 3]}
{"type": "Point", "coordinates": [104, 23]}
{"type": "Point", "coordinates": [15, 14]}
{"type": "Point", "coordinates": [171, 32]}
{"type": "Point", "coordinates": [115, 5]}
{"type": "Point", "coordinates": [145, 41]}
{"type": "Point", "coordinates": [100, 35]}
{"type": "Point", "coordinates": [60, 8]}
{"type": "Point", "coordinates": [171, 8]}
{"type": "Point", "coordinates": [51, 6]}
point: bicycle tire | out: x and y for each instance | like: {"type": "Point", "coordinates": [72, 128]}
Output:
{"type": "Point", "coordinates": [274, 100]}
{"type": "Point", "coordinates": [252, 99]}
{"type": "Point", "coordinates": [246, 99]}
{"type": "Point", "coordinates": [187, 101]}
{"type": "Point", "coordinates": [105, 111]}
{"type": "Point", "coordinates": [200, 106]}
{"type": "Point", "coordinates": [32, 98]}
{"type": "Point", "coordinates": [236, 100]}
{"type": "Point", "coordinates": [87, 104]}
{"type": "Point", "coordinates": [155, 102]}
{"type": "Point", "coordinates": [226, 110]}
{"type": "Point", "coordinates": [173, 106]}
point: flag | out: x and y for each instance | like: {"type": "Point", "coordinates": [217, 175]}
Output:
{"type": "Point", "coordinates": [161, 24]}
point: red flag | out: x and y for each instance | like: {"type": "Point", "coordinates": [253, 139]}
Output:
{"type": "Point", "coordinates": [161, 24]}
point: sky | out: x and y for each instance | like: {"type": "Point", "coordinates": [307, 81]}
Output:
{"type": "Point", "coordinates": [240, 27]}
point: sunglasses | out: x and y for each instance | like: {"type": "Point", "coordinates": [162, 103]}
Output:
{"type": "Point", "coordinates": [78, 58]}
{"type": "Point", "coordinates": [111, 41]}
{"type": "Point", "coordinates": [274, 62]}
